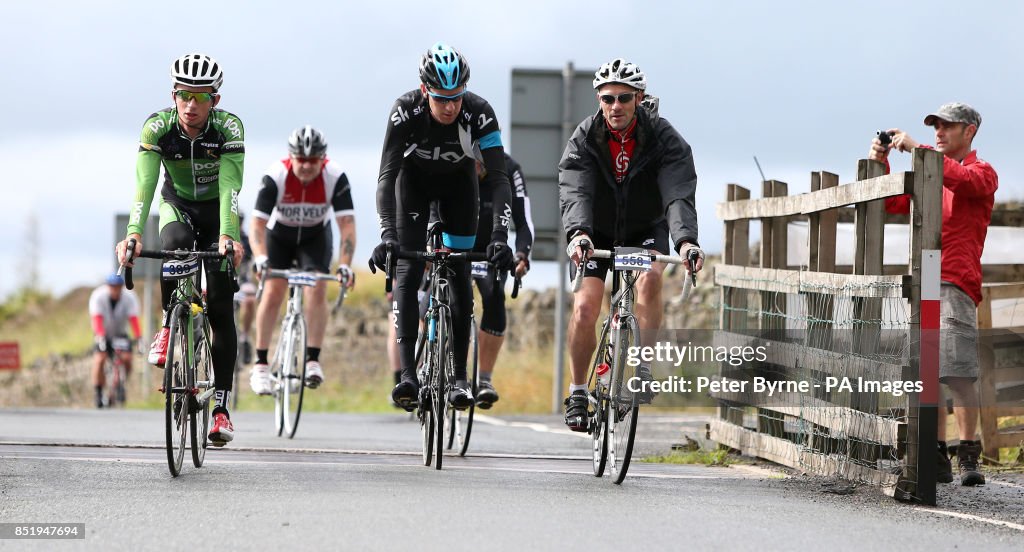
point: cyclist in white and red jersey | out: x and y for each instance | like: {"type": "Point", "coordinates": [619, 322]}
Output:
{"type": "Point", "coordinates": [291, 225]}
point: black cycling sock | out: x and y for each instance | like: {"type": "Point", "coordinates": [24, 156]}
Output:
{"type": "Point", "coordinates": [261, 356]}
{"type": "Point", "coordinates": [398, 376]}
{"type": "Point", "coordinates": [313, 354]}
{"type": "Point", "coordinates": [99, 393]}
{"type": "Point", "coordinates": [220, 401]}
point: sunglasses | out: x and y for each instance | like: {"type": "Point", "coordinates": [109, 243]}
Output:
{"type": "Point", "coordinates": [309, 160]}
{"type": "Point", "coordinates": [623, 98]}
{"type": "Point", "coordinates": [187, 96]}
{"type": "Point", "coordinates": [446, 99]}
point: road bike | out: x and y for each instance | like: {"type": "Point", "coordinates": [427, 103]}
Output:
{"type": "Point", "coordinates": [115, 371]}
{"type": "Point", "coordinates": [614, 408]}
{"type": "Point", "coordinates": [188, 382]}
{"type": "Point", "coordinates": [460, 423]}
{"type": "Point", "coordinates": [436, 370]}
{"type": "Point", "coordinates": [288, 367]}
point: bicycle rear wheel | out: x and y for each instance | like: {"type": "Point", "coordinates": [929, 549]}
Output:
{"type": "Point", "coordinates": [623, 406]}
{"type": "Point", "coordinates": [199, 415]}
{"type": "Point", "coordinates": [293, 370]}
{"type": "Point", "coordinates": [175, 392]}
{"type": "Point", "coordinates": [464, 420]}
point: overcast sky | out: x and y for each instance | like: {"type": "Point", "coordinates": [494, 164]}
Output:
{"type": "Point", "coordinates": [802, 85]}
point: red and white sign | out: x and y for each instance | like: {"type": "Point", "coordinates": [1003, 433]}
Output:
{"type": "Point", "coordinates": [10, 358]}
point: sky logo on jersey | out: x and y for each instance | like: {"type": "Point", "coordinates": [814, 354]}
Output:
{"type": "Point", "coordinates": [506, 216]}
{"type": "Point", "coordinates": [435, 155]}
{"type": "Point", "coordinates": [399, 116]}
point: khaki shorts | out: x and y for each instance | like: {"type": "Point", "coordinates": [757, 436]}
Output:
{"type": "Point", "coordinates": [959, 334]}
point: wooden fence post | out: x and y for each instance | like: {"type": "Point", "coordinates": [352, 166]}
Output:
{"type": "Point", "coordinates": [925, 240]}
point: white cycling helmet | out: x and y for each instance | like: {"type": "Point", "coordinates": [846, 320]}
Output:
{"type": "Point", "coordinates": [307, 142]}
{"type": "Point", "coordinates": [621, 71]}
{"type": "Point", "coordinates": [197, 70]}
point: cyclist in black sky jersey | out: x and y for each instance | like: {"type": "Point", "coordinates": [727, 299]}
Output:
{"type": "Point", "coordinates": [202, 151]}
{"type": "Point", "coordinates": [428, 156]}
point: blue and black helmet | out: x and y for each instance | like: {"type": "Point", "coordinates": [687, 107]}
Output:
{"type": "Point", "coordinates": [443, 68]}
{"type": "Point", "coordinates": [115, 280]}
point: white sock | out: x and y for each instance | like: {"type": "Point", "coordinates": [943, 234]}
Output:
{"type": "Point", "coordinates": [573, 388]}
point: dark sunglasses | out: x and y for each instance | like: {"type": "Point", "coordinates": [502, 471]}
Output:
{"type": "Point", "coordinates": [187, 96]}
{"type": "Point", "coordinates": [623, 98]}
{"type": "Point", "coordinates": [446, 99]}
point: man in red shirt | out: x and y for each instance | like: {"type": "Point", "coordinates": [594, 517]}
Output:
{"type": "Point", "coordinates": [968, 193]}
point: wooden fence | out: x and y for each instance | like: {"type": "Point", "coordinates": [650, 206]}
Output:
{"type": "Point", "coordinates": [811, 431]}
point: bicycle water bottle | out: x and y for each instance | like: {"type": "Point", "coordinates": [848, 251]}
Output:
{"type": "Point", "coordinates": [604, 374]}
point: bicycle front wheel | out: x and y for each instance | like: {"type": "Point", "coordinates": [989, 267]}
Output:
{"type": "Point", "coordinates": [175, 391]}
{"type": "Point", "coordinates": [293, 374]}
{"type": "Point", "coordinates": [599, 394]}
{"type": "Point", "coordinates": [441, 371]}
{"type": "Point", "coordinates": [623, 406]}
{"type": "Point", "coordinates": [199, 418]}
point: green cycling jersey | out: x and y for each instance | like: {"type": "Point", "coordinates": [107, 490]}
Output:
{"type": "Point", "coordinates": [207, 168]}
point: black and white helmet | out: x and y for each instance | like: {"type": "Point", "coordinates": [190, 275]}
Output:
{"type": "Point", "coordinates": [650, 103]}
{"type": "Point", "coordinates": [307, 142]}
{"type": "Point", "coordinates": [621, 71]}
{"type": "Point", "coordinates": [197, 70]}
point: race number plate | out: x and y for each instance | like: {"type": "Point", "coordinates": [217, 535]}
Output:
{"type": "Point", "coordinates": [480, 269]}
{"type": "Point", "coordinates": [633, 261]}
{"type": "Point", "coordinates": [175, 269]}
{"type": "Point", "coordinates": [302, 279]}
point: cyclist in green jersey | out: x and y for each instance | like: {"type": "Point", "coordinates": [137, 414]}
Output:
{"type": "Point", "coordinates": [201, 149]}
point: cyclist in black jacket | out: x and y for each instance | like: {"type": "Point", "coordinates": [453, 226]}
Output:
{"type": "Point", "coordinates": [493, 321]}
{"type": "Point", "coordinates": [428, 157]}
{"type": "Point", "coordinates": [626, 178]}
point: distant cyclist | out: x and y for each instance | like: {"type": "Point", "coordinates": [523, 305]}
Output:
{"type": "Point", "coordinates": [428, 156]}
{"type": "Point", "coordinates": [112, 310]}
{"type": "Point", "coordinates": [202, 150]}
{"type": "Point", "coordinates": [292, 225]}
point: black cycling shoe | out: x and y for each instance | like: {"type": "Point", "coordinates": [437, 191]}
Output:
{"type": "Point", "coordinates": [459, 395]}
{"type": "Point", "coordinates": [486, 396]}
{"type": "Point", "coordinates": [406, 394]}
{"type": "Point", "coordinates": [577, 416]}
{"type": "Point", "coordinates": [645, 396]}
{"type": "Point", "coordinates": [944, 468]}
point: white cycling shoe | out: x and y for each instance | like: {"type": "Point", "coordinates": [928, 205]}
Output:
{"type": "Point", "coordinates": [259, 379]}
{"type": "Point", "coordinates": [314, 374]}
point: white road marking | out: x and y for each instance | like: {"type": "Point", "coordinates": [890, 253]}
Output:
{"type": "Point", "coordinates": [973, 517]}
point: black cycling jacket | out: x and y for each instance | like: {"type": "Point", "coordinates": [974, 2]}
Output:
{"type": "Point", "coordinates": [660, 183]}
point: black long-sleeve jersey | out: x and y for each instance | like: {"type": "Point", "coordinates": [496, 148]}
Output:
{"type": "Point", "coordinates": [413, 136]}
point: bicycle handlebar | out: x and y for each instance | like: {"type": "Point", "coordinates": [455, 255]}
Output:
{"type": "Point", "coordinates": [228, 255]}
{"type": "Point", "coordinates": [691, 261]}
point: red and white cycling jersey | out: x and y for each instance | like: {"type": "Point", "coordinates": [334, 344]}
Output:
{"type": "Point", "coordinates": [285, 201]}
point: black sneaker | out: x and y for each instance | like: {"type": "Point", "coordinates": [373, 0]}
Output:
{"type": "Point", "coordinates": [406, 394]}
{"type": "Point", "coordinates": [459, 395]}
{"type": "Point", "coordinates": [944, 470]}
{"type": "Point", "coordinates": [486, 396]}
{"type": "Point", "coordinates": [967, 455]}
{"type": "Point", "coordinates": [577, 416]}
{"type": "Point", "coordinates": [645, 396]}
